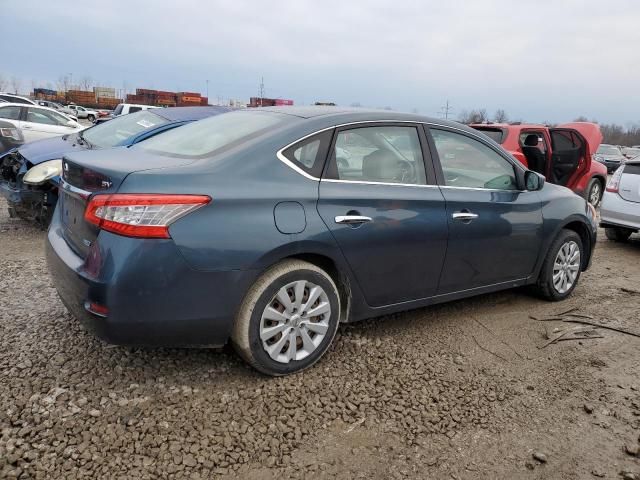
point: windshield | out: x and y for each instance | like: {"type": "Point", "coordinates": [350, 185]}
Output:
{"type": "Point", "coordinates": [122, 128]}
{"type": "Point", "coordinates": [202, 138]}
{"type": "Point", "coordinates": [608, 150]}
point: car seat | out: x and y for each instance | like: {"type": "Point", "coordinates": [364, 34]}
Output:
{"type": "Point", "coordinates": [535, 158]}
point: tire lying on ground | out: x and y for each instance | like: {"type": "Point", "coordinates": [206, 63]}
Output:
{"type": "Point", "coordinates": [288, 319]}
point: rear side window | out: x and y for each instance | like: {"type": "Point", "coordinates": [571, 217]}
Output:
{"type": "Point", "coordinates": [309, 154]}
{"type": "Point", "coordinates": [134, 109]}
{"type": "Point", "coordinates": [118, 109]}
{"type": "Point", "coordinates": [11, 113]}
{"type": "Point", "coordinates": [380, 154]}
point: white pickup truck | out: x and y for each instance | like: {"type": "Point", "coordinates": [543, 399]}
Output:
{"type": "Point", "coordinates": [81, 112]}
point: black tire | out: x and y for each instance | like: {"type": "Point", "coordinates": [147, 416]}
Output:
{"type": "Point", "coordinates": [618, 234]}
{"type": "Point", "coordinates": [91, 118]}
{"type": "Point", "coordinates": [595, 191]}
{"type": "Point", "coordinates": [545, 287]}
{"type": "Point", "coordinates": [245, 335]}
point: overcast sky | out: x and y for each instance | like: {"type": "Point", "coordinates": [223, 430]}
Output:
{"type": "Point", "coordinates": [544, 60]}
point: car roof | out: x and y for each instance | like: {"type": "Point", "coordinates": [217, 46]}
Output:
{"type": "Point", "coordinates": [17, 96]}
{"type": "Point", "coordinates": [342, 115]}
{"type": "Point", "coordinates": [177, 114]}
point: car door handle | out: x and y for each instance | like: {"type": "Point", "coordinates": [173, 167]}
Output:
{"type": "Point", "coordinates": [352, 219]}
{"type": "Point", "coordinates": [462, 216]}
{"type": "Point", "coordinates": [27, 127]}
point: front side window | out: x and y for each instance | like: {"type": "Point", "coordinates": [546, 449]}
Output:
{"type": "Point", "coordinates": [45, 117]}
{"type": "Point", "coordinates": [384, 154]}
{"type": "Point", "coordinates": [10, 113]}
{"type": "Point", "coordinates": [469, 163]}
{"type": "Point", "coordinates": [134, 109]}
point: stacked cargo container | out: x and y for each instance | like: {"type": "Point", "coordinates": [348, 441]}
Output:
{"type": "Point", "coordinates": [81, 97]}
{"type": "Point", "coordinates": [188, 99]}
{"type": "Point", "coordinates": [104, 92]}
{"type": "Point", "coordinates": [269, 102]}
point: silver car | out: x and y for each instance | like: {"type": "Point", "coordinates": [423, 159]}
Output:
{"type": "Point", "coordinates": [620, 209]}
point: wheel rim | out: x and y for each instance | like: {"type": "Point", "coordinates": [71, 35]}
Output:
{"type": "Point", "coordinates": [295, 321]}
{"type": "Point", "coordinates": [566, 267]}
{"type": "Point", "coordinates": [594, 196]}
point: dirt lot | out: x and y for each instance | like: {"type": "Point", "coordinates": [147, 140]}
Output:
{"type": "Point", "coordinates": [457, 391]}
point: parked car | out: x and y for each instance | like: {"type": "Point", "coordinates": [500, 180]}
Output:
{"type": "Point", "coordinates": [10, 136]}
{"type": "Point", "coordinates": [610, 156]}
{"type": "Point", "coordinates": [58, 107]}
{"type": "Point", "coordinates": [620, 211]}
{"type": "Point", "coordinates": [11, 98]}
{"type": "Point", "coordinates": [38, 122]}
{"type": "Point", "coordinates": [31, 175]}
{"type": "Point", "coordinates": [244, 227]}
{"type": "Point", "coordinates": [562, 154]}
{"type": "Point", "coordinates": [630, 152]}
{"type": "Point", "coordinates": [81, 112]}
{"type": "Point", "coordinates": [126, 108]}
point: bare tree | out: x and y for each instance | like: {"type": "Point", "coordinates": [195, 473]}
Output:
{"type": "Point", "coordinates": [581, 118]}
{"type": "Point", "coordinates": [500, 116]}
{"type": "Point", "coordinates": [356, 105]}
{"type": "Point", "coordinates": [473, 116]}
{"type": "Point", "coordinates": [64, 82]}
{"type": "Point", "coordinates": [86, 83]}
{"type": "Point", "coordinates": [16, 83]}
{"type": "Point", "coordinates": [3, 83]}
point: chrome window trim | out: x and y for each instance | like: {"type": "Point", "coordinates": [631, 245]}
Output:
{"type": "Point", "coordinates": [293, 166]}
{"type": "Point", "coordinates": [484, 189]}
{"type": "Point", "coordinates": [362, 182]}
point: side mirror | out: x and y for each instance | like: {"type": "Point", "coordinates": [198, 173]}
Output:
{"type": "Point", "coordinates": [71, 123]}
{"type": "Point", "coordinates": [533, 181]}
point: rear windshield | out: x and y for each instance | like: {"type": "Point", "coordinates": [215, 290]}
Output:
{"type": "Point", "coordinates": [495, 134]}
{"type": "Point", "coordinates": [632, 168]}
{"type": "Point", "coordinates": [608, 150]}
{"type": "Point", "coordinates": [202, 138]}
{"type": "Point", "coordinates": [122, 128]}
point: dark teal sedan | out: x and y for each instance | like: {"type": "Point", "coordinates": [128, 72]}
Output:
{"type": "Point", "coordinates": [268, 227]}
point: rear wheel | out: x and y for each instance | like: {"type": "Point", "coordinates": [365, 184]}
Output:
{"type": "Point", "coordinates": [91, 118]}
{"type": "Point", "coordinates": [562, 266]}
{"type": "Point", "coordinates": [618, 234]}
{"type": "Point", "coordinates": [288, 318]}
{"type": "Point", "coordinates": [594, 192]}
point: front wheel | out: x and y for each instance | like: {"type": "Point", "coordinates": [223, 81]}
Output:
{"type": "Point", "coordinates": [288, 318]}
{"type": "Point", "coordinates": [91, 118]}
{"type": "Point", "coordinates": [617, 234]}
{"type": "Point", "coordinates": [594, 192]}
{"type": "Point", "coordinates": [562, 266]}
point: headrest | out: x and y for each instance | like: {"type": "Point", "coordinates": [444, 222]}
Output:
{"type": "Point", "coordinates": [531, 140]}
{"type": "Point", "coordinates": [380, 165]}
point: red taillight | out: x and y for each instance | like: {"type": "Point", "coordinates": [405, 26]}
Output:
{"type": "Point", "coordinates": [613, 185]}
{"type": "Point", "coordinates": [140, 215]}
{"type": "Point", "coordinates": [96, 308]}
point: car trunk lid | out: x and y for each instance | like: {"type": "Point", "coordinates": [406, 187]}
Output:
{"type": "Point", "coordinates": [629, 188]}
{"type": "Point", "coordinates": [97, 172]}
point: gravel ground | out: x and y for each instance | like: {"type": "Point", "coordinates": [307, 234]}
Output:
{"type": "Point", "coordinates": [454, 391]}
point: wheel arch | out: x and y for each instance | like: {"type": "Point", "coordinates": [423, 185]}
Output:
{"type": "Point", "coordinates": [582, 229]}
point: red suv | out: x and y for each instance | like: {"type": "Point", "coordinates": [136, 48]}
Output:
{"type": "Point", "coordinates": [562, 154]}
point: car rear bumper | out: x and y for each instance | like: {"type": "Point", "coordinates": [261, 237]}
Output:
{"type": "Point", "coordinates": [615, 211]}
{"type": "Point", "coordinates": [153, 297]}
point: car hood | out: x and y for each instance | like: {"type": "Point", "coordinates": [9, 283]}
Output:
{"type": "Point", "coordinates": [51, 148]}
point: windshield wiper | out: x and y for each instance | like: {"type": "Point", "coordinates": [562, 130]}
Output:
{"type": "Point", "coordinates": [81, 140]}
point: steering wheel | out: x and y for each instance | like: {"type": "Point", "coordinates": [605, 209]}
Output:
{"type": "Point", "coordinates": [406, 172]}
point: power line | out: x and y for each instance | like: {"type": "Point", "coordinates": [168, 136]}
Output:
{"type": "Point", "coordinates": [446, 110]}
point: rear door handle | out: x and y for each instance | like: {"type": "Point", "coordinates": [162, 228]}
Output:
{"type": "Point", "coordinates": [462, 216]}
{"type": "Point", "coordinates": [352, 219]}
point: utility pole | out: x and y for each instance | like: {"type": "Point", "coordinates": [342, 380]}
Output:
{"type": "Point", "coordinates": [261, 90]}
{"type": "Point", "coordinates": [446, 110]}
{"type": "Point", "coordinates": [207, 90]}
{"type": "Point", "coordinates": [71, 81]}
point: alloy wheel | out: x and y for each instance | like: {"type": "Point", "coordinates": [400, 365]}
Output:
{"type": "Point", "coordinates": [295, 321]}
{"type": "Point", "coordinates": [594, 194]}
{"type": "Point", "coordinates": [566, 267]}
